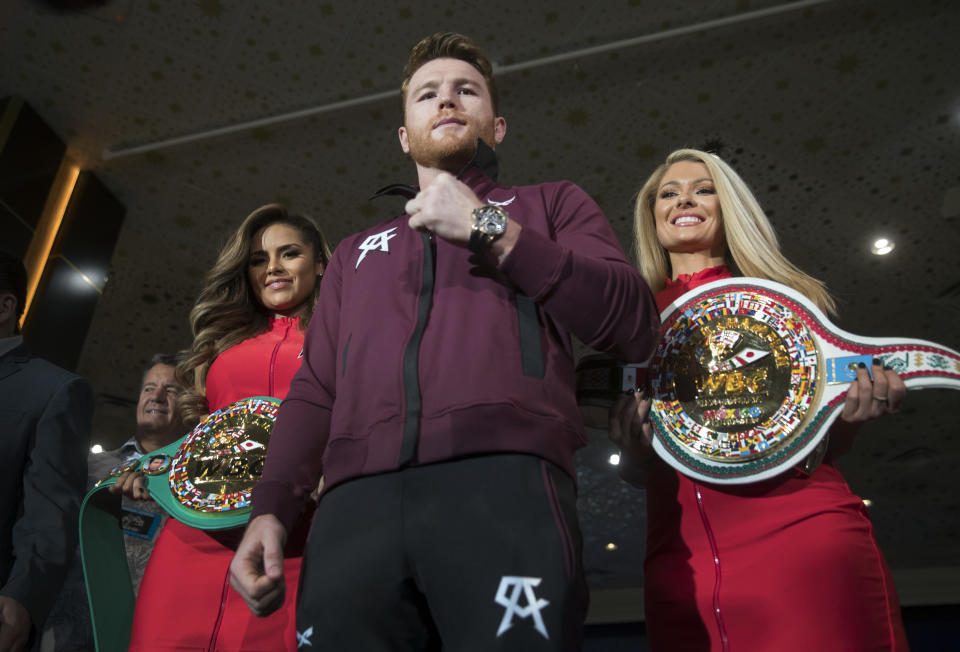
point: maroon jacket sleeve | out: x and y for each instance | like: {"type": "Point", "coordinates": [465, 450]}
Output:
{"type": "Point", "coordinates": [583, 279]}
{"type": "Point", "coordinates": [294, 455]}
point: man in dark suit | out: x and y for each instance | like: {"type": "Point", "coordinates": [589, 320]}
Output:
{"type": "Point", "coordinates": [158, 423]}
{"type": "Point", "coordinates": [45, 415]}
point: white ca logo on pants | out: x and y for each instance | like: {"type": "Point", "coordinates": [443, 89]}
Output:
{"type": "Point", "coordinates": [303, 640]}
{"type": "Point", "coordinates": [516, 585]}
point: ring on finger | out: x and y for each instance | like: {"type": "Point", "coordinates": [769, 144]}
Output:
{"type": "Point", "coordinates": [882, 399]}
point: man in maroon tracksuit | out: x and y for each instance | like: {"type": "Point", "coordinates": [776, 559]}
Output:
{"type": "Point", "coordinates": [436, 398]}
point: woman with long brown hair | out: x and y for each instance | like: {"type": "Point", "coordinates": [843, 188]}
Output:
{"type": "Point", "coordinates": [248, 325]}
{"type": "Point", "coordinates": [788, 563]}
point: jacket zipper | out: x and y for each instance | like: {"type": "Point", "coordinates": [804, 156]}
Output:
{"type": "Point", "coordinates": [411, 358]}
{"type": "Point", "coordinates": [226, 580]}
{"type": "Point", "coordinates": [528, 328]}
{"type": "Point", "coordinates": [716, 563]}
{"type": "Point", "coordinates": [273, 359]}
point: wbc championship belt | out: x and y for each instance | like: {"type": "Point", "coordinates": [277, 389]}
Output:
{"type": "Point", "coordinates": [203, 480]}
{"type": "Point", "coordinates": [749, 375]}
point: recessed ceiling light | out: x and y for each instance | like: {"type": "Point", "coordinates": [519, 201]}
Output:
{"type": "Point", "coordinates": [882, 246]}
{"type": "Point", "coordinates": [867, 503]}
{"type": "Point", "coordinates": [96, 448]}
{"type": "Point", "coordinates": [611, 546]}
{"type": "Point", "coordinates": [614, 459]}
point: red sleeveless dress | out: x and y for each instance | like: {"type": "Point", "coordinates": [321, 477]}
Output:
{"type": "Point", "coordinates": [186, 601]}
{"type": "Point", "coordinates": [787, 564]}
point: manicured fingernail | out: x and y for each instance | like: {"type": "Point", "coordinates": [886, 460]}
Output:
{"type": "Point", "coordinates": [878, 362]}
{"type": "Point", "coordinates": [861, 365]}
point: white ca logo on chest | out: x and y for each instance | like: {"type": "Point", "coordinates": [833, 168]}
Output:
{"type": "Point", "coordinates": [376, 242]}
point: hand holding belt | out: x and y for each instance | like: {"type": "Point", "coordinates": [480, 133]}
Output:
{"type": "Point", "coordinates": [203, 480]}
{"type": "Point", "coordinates": [750, 375]}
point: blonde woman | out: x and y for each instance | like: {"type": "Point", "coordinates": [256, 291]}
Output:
{"type": "Point", "coordinates": [785, 564]}
{"type": "Point", "coordinates": [248, 325]}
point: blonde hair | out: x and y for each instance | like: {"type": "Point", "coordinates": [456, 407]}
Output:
{"type": "Point", "coordinates": [227, 312]}
{"type": "Point", "coordinates": [750, 240]}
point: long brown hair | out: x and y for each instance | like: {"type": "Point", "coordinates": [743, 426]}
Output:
{"type": "Point", "coordinates": [227, 312]}
{"type": "Point", "coordinates": [751, 242]}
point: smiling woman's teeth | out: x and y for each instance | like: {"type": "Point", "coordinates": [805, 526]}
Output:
{"type": "Point", "coordinates": [686, 221]}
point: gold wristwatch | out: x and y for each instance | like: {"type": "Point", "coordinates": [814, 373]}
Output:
{"type": "Point", "coordinates": [489, 223]}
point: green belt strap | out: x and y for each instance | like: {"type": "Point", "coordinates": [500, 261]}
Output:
{"type": "Point", "coordinates": [109, 588]}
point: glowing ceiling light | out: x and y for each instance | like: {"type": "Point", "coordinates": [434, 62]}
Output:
{"type": "Point", "coordinates": [96, 448]}
{"type": "Point", "coordinates": [882, 246]}
{"type": "Point", "coordinates": [867, 503]}
{"type": "Point", "coordinates": [614, 459]}
{"type": "Point", "coordinates": [41, 244]}
{"type": "Point", "coordinates": [611, 546]}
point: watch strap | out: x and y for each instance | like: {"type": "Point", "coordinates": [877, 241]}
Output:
{"type": "Point", "coordinates": [480, 241]}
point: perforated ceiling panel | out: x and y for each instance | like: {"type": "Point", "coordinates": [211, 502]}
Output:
{"type": "Point", "coordinates": [844, 117]}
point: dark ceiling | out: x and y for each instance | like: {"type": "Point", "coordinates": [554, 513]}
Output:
{"type": "Point", "coordinates": [844, 116]}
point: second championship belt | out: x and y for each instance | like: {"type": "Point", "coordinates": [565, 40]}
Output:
{"type": "Point", "coordinates": [203, 480]}
{"type": "Point", "coordinates": [750, 374]}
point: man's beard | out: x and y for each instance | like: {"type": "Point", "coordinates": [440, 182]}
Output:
{"type": "Point", "coordinates": [451, 153]}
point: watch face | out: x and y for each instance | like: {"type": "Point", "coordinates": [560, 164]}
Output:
{"type": "Point", "coordinates": [491, 227]}
{"type": "Point", "coordinates": [492, 221]}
